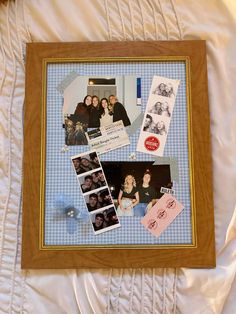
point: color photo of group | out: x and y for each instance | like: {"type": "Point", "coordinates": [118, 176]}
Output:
{"type": "Point", "coordinates": [93, 113]}
{"type": "Point", "coordinates": [135, 186]}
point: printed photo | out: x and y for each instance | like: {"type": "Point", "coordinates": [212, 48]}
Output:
{"type": "Point", "coordinates": [75, 127]}
{"type": "Point", "coordinates": [135, 186]}
{"type": "Point", "coordinates": [97, 200]}
{"type": "Point", "coordinates": [161, 108]}
{"type": "Point", "coordinates": [164, 89]}
{"type": "Point", "coordinates": [105, 220]}
{"type": "Point", "coordinates": [92, 181]}
{"type": "Point", "coordinates": [85, 162]}
{"type": "Point", "coordinates": [94, 102]}
{"type": "Point", "coordinates": [155, 124]}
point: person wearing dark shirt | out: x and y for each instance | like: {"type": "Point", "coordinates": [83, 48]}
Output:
{"type": "Point", "coordinates": [85, 165]}
{"type": "Point", "coordinates": [94, 160]}
{"type": "Point", "coordinates": [99, 220]}
{"type": "Point", "coordinates": [93, 202]}
{"type": "Point", "coordinates": [94, 113]}
{"type": "Point", "coordinates": [112, 218]}
{"type": "Point", "coordinates": [95, 183]}
{"type": "Point", "coordinates": [128, 197]}
{"type": "Point", "coordinates": [147, 195]}
{"type": "Point", "coordinates": [80, 120]}
{"type": "Point", "coordinates": [119, 112]}
{"type": "Point", "coordinates": [101, 178]}
{"type": "Point", "coordinates": [88, 184]}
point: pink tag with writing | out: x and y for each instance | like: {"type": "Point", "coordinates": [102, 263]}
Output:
{"type": "Point", "coordinates": [162, 214]}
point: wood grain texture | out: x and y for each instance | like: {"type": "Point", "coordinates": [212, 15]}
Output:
{"type": "Point", "coordinates": [203, 255]}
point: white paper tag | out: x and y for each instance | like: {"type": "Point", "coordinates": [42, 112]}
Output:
{"type": "Point", "coordinates": [107, 138]}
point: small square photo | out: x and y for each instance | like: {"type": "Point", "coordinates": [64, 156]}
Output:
{"type": "Point", "coordinates": [92, 181]}
{"type": "Point", "coordinates": [85, 163]}
{"type": "Point", "coordinates": [97, 200]}
{"type": "Point", "coordinates": [105, 220]}
{"type": "Point", "coordinates": [156, 124]}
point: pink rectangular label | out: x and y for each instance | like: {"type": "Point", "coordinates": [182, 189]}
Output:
{"type": "Point", "coordinates": [162, 214]}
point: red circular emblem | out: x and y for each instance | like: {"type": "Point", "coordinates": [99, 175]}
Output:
{"type": "Point", "coordinates": [152, 143]}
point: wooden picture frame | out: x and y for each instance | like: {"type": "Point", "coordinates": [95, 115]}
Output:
{"type": "Point", "coordinates": [201, 252]}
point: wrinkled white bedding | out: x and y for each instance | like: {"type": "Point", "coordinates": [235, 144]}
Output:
{"type": "Point", "coordinates": [124, 290]}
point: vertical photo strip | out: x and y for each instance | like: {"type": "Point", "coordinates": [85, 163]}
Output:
{"type": "Point", "coordinates": [96, 193]}
{"type": "Point", "coordinates": [158, 115]}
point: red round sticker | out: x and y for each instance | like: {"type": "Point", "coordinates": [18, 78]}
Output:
{"type": "Point", "coordinates": [152, 143]}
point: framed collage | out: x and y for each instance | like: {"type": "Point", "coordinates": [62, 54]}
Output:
{"type": "Point", "coordinates": [117, 156]}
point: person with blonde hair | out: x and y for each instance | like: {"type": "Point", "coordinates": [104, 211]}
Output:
{"type": "Point", "coordinates": [128, 197]}
{"type": "Point", "coordinates": [118, 110]}
{"type": "Point", "coordinates": [161, 128]}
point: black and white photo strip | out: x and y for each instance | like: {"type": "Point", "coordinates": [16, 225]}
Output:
{"type": "Point", "coordinates": [105, 220]}
{"type": "Point", "coordinates": [158, 115]}
{"type": "Point", "coordinates": [93, 185]}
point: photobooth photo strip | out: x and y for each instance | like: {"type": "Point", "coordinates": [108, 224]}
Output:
{"type": "Point", "coordinates": [158, 114]}
{"type": "Point", "coordinates": [96, 193]}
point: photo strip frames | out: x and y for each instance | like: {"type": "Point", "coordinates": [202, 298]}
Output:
{"type": "Point", "coordinates": [102, 94]}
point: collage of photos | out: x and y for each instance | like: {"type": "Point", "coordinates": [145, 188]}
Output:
{"type": "Point", "coordinates": [94, 188]}
{"type": "Point", "coordinates": [158, 115]}
{"type": "Point", "coordinates": [136, 186]}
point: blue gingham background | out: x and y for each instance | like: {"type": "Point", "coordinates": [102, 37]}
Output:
{"type": "Point", "coordinates": [60, 177]}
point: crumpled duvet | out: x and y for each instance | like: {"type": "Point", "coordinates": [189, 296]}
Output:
{"type": "Point", "coordinates": [86, 291]}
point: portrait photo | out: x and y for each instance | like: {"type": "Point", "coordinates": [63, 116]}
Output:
{"type": "Point", "coordinates": [92, 181]}
{"type": "Point", "coordinates": [97, 200]}
{"type": "Point", "coordinates": [135, 186]}
{"type": "Point", "coordinates": [156, 124]}
{"type": "Point", "coordinates": [105, 220]}
{"type": "Point", "coordinates": [164, 89]}
{"type": "Point", "coordinates": [162, 108]}
{"type": "Point", "coordinates": [85, 163]}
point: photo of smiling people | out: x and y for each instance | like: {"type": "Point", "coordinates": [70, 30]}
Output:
{"type": "Point", "coordinates": [98, 199]}
{"type": "Point", "coordinates": [136, 186]}
{"type": "Point", "coordinates": [105, 220]}
{"type": "Point", "coordinates": [156, 124]}
{"type": "Point", "coordinates": [83, 163]}
{"type": "Point", "coordinates": [94, 102]}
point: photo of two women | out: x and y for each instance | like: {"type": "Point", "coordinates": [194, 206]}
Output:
{"type": "Point", "coordinates": [135, 186]}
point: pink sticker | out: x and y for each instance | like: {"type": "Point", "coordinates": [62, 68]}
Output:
{"type": "Point", "coordinates": [162, 214]}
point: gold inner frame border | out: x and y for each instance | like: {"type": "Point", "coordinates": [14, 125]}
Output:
{"type": "Point", "coordinates": [45, 62]}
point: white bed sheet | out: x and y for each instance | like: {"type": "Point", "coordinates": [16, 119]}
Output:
{"type": "Point", "coordinates": [125, 290]}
